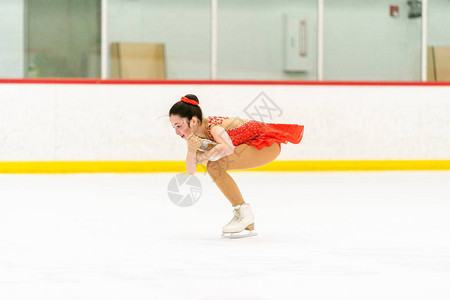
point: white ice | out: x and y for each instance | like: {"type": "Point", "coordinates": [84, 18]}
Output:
{"type": "Point", "coordinates": [335, 235]}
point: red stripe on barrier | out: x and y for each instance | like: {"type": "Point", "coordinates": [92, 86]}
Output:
{"type": "Point", "coordinates": [220, 82]}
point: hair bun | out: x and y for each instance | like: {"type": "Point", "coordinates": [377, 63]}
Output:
{"type": "Point", "coordinates": [192, 97]}
{"type": "Point", "coordinates": [189, 101]}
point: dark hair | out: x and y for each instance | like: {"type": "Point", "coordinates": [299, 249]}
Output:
{"type": "Point", "coordinates": [186, 110]}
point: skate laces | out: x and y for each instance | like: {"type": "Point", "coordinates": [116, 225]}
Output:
{"type": "Point", "coordinates": [237, 214]}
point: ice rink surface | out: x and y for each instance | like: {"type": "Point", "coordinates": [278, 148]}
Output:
{"type": "Point", "coordinates": [325, 235]}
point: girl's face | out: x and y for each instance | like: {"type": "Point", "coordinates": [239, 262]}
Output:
{"type": "Point", "coordinates": [181, 126]}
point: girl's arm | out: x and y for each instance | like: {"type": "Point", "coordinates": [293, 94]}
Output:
{"type": "Point", "coordinates": [193, 144]}
{"type": "Point", "coordinates": [223, 148]}
{"type": "Point", "coordinates": [193, 159]}
{"type": "Point", "coordinates": [191, 163]}
{"type": "Point", "coordinates": [224, 145]}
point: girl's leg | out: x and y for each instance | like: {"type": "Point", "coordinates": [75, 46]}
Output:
{"type": "Point", "coordinates": [243, 157]}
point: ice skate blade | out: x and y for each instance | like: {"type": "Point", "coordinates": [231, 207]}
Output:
{"type": "Point", "coordinates": [238, 235]}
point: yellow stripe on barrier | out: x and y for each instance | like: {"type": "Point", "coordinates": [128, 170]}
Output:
{"type": "Point", "coordinates": [357, 165]}
{"type": "Point", "coordinates": [92, 167]}
{"type": "Point", "coordinates": [179, 166]}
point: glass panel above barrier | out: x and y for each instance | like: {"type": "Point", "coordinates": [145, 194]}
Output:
{"type": "Point", "coordinates": [159, 39]}
{"type": "Point", "coordinates": [267, 40]}
{"type": "Point", "coordinates": [438, 41]}
{"type": "Point", "coordinates": [372, 40]}
{"type": "Point", "coordinates": [11, 39]}
{"type": "Point", "coordinates": [62, 38]}
{"type": "Point", "coordinates": [255, 39]}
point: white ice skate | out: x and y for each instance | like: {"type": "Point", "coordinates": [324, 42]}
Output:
{"type": "Point", "coordinates": [243, 220]}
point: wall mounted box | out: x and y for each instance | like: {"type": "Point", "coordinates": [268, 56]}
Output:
{"type": "Point", "coordinates": [298, 44]}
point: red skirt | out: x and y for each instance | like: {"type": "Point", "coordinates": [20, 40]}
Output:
{"type": "Point", "coordinates": [261, 134]}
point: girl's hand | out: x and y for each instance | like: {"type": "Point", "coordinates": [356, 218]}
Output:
{"type": "Point", "coordinates": [224, 145]}
{"type": "Point", "coordinates": [207, 145]}
{"type": "Point", "coordinates": [193, 142]}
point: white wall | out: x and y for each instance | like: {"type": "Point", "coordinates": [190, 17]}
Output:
{"type": "Point", "coordinates": [251, 38]}
{"type": "Point", "coordinates": [439, 23]}
{"type": "Point", "coordinates": [183, 26]}
{"type": "Point", "coordinates": [362, 42]}
{"type": "Point", "coordinates": [129, 122]}
{"type": "Point", "coordinates": [11, 39]}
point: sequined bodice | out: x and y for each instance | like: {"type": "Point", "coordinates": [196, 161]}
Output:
{"type": "Point", "coordinates": [239, 130]}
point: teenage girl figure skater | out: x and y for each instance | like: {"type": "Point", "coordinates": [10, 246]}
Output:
{"type": "Point", "coordinates": [231, 144]}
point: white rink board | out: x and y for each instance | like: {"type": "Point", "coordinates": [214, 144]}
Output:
{"type": "Point", "coordinates": [73, 122]}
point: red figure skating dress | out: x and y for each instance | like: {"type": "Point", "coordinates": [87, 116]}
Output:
{"type": "Point", "coordinates": [255, 133]}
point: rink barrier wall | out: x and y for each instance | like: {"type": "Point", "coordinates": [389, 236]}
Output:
{"type": "Point", "coordinates": [90, 125]}
{"type": "Point", "coordinates": [179, 166]}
